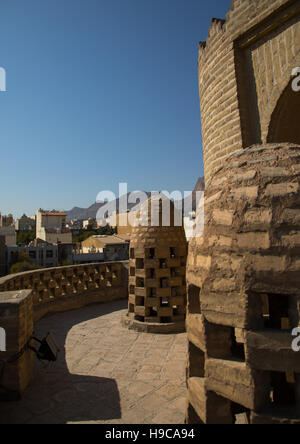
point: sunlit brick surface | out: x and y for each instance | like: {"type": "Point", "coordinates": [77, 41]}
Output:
{"type": "Point", "coordinates": [243, 292]}
{"type": "Point", "coordinates": [105, 373]}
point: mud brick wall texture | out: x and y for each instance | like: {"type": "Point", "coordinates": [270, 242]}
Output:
{"type": "Point", "coordinates": [157, 285]}
{"type": "Point", "coordinates": [244, 292]}
{"type": "Point", "coordinates": [245, 69]}
{"type": "Point", "coordinates": [16, 309]}
{"type": "Point", "coordinates": [27, 297]}
{"type": "Point", "coordinates": [67, 288]}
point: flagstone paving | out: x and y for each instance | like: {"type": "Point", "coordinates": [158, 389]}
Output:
{"type": "Point", "coordinates": [105, 373]}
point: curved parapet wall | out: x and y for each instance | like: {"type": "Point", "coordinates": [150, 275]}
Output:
{"type": "Point", "coordinates": [157, 286]}
{"type": "Point", "coordinates": [244, 67]}
{"type": "Point", "coordinates": [66, 288]}
{"type": "Point", "coordinates": [244, 292]}
{"type": "Point", "coordinates": [26, 297]}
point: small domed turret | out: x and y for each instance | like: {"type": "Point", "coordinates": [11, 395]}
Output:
{"type": "Point", "coordinates": [157, 286]}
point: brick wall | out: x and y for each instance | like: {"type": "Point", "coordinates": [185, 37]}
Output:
{"type": "Point", "coordinates": [244, 15]}
{"type": "Point", "coordinates": [16, 317]}
{"type": "Point", "coordinates": [244, 67]}
{"type": "Point", "coordinates": [221, 127]}
{"type": "Point", "coordinates": [243, 292]}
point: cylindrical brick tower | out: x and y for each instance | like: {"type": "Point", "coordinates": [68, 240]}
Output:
{"type": "Point", "coordinates": [157, 285]}
{"type": "Point", "coordinates": [244, 292]}
{"type": "Point", "coordinates": [245, 68]}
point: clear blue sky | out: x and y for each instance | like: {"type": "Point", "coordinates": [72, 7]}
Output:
{"type": "Point", "coordinates": [99, 92]}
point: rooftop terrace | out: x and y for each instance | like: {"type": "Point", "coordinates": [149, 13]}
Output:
{"type": "Point", "coordinates": [105, 373]}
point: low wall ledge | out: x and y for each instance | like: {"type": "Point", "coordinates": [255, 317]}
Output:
{"type": "Point", "coordinates": [9, 298]}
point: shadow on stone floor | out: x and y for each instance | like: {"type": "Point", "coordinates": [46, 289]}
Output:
{"type": "Point", "coordinates": [56, 396]}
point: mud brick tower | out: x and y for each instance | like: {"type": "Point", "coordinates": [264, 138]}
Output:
{"type": "Point", "coordinates": [243, 274]}
{"type": "Point", "coordinates": [245, 80]}
{"type": "Point", "coordinates": [244, 291]}
{"type": "Point", "coordinates": [157, 286]}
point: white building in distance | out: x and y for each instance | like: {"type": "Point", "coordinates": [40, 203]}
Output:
{"type": "Point", "coordinates": [51, 227]}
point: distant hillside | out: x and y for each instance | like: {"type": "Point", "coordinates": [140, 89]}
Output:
{"type": "Point", "coordinates": [86, 213]}
{"type": "Point", "coordinates": [91, 212]}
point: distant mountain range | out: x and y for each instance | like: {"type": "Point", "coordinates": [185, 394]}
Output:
{"type": "Point", "coordinates": [91, 212]}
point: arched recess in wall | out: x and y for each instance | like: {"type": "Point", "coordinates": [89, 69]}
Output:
{"type": "Point", "coordinates": [279, 88]}
{"type": "Point", "coordinates": [284, 125]}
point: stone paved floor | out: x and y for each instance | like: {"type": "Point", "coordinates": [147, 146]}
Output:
{"type": "Point", "coordinates": [105, 373]}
